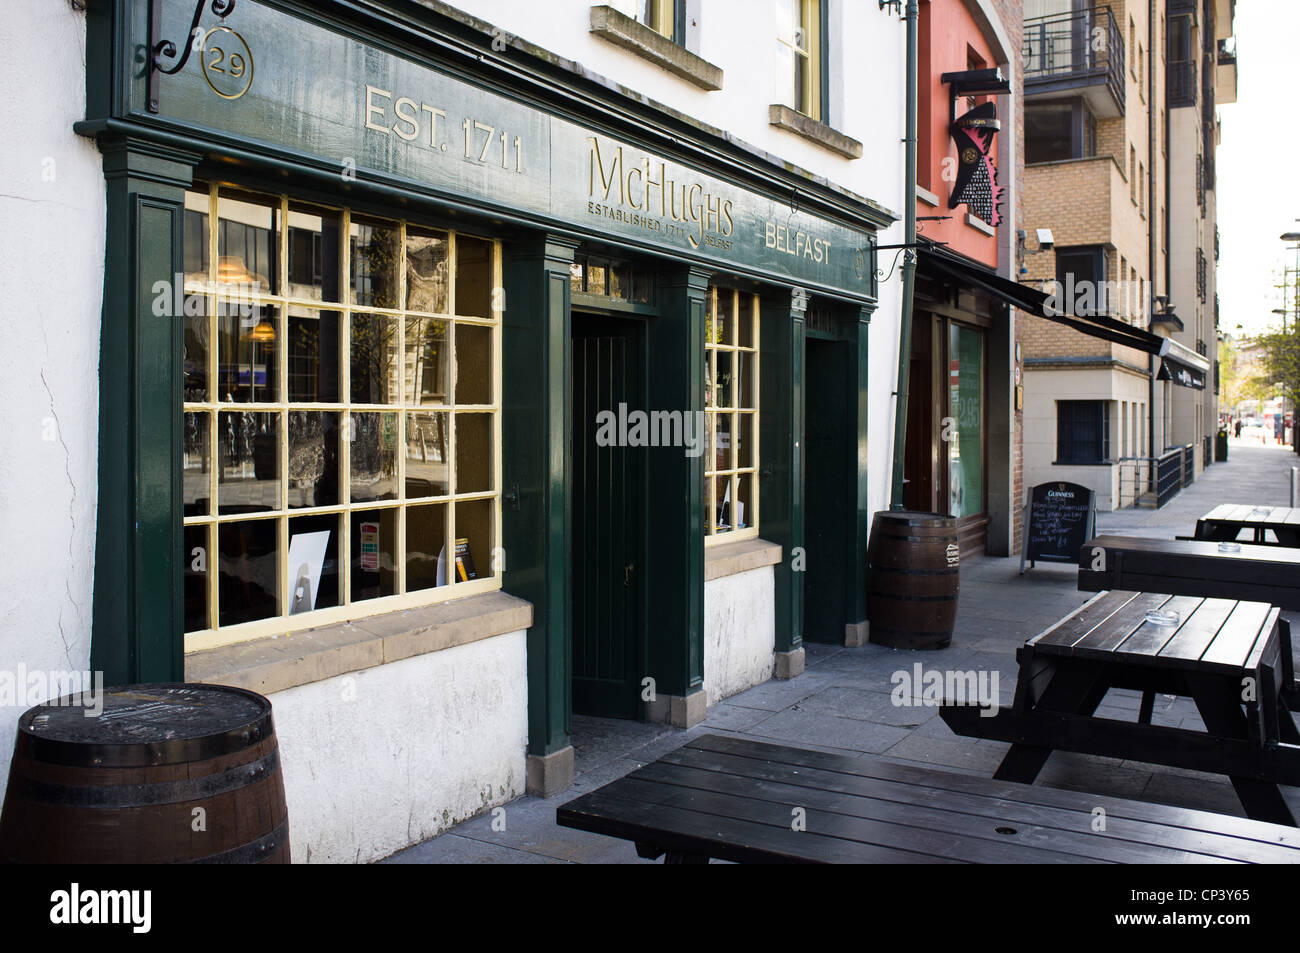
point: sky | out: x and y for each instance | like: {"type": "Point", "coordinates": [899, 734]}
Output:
{"type": "Point", "coordinates": [1258, 166]}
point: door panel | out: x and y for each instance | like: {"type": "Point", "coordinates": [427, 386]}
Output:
{"type": "Point", "coordinates": [608, 532]}
{"type": "Point", "coordinates": [827, 518]}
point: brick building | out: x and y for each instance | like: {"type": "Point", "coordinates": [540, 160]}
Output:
{"type": "Point", "coordinates": [1120, 215]}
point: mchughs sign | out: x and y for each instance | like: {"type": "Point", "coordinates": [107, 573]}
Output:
{"type": "Point", "coordinates": [354, 107]}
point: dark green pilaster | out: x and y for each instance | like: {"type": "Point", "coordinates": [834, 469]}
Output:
{"type": "Point", "coordinates": [781, 474]}
{"type": "Point", "coordinates": [535, 511]}
{"type": "Point", "coordinates": [855, 599]}
{"type": "Point", "coordinates": [138, 599]}
{"type": "Point", "coordinates": [675, 573]}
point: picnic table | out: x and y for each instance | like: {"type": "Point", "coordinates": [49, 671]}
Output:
{"type": "Point", "coordinates": [749, 801]}
{"type": "Point", "coordinates": [1225, 654]}
{"type": "Point", "coordinates": [1225, 523]}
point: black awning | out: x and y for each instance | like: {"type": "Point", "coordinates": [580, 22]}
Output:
{"type": "Point", "coordinates": [1182, 374]}
{"type": "Point", "coordinates": [1035, 302]}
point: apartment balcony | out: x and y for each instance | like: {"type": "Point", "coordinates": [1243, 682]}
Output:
{"type": "Point", "coordinates": [1076, 54]}
{"type": "Point", "coordinates": [1225, 73]}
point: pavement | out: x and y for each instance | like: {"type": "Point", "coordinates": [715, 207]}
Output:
{"type": "Point", "coordinates": [841, 703]}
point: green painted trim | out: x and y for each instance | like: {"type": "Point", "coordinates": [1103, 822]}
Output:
{"type": "Point", "coordinates": [675, 558]}
{"type": "Point", "coordinates": [855, 602]}
{"type": "Point", "coordinates": [138, 603]}
{"type": "Point", "coordinates": [781, 467]}
{"type": "Point", "coordinates": [536, 401]}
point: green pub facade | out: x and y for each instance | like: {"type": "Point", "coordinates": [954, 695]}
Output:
{"type": "Point", "coordinates": [448, 391]}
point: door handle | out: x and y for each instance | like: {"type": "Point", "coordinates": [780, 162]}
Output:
{"type": "Point", "coordinates": [627, 574]}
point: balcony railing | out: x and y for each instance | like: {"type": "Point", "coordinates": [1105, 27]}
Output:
{"type": "Point", "coordinates": [1181, 84]}
{"type": "Point", "coordinates": [1074, 51]}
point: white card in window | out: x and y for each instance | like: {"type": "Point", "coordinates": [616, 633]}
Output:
{"type": "Point", "coordinates": [306, 560]}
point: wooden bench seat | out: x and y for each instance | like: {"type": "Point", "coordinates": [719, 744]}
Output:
{"type": "Point", "coordinates": [746, 801]}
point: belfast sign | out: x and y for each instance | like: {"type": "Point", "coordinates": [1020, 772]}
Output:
{"type": "Point", "coordinates": [262, 75]}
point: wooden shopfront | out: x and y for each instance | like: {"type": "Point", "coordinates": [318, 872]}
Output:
{"type": "Point", "coordinates": [411, 271]}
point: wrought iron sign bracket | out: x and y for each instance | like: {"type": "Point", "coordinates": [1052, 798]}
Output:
{"type": "Point", "coordinates": [160, 47]}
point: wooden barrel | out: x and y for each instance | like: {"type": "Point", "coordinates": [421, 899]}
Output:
{"type": "Point", "coordinates": [162, 774]}
{"type": "Point", "coordinates": [913, 563]}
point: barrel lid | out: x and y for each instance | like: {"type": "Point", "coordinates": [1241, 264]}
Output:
{"type": "Point", "coordinates": [916, 518]}
{"type": "Point", "coordinates": [138, 725]}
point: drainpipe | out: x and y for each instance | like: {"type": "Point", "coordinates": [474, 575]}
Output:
{"type": "Point", "coordinates": [909, 260]}
{"type": "Point", "coordinates": [1152, 224]}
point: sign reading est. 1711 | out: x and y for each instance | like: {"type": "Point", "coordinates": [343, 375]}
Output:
{"type": "Point", "coordinates": [263, 75]}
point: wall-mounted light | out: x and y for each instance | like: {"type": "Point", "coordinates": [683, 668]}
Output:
{"type": "Point", "coordinates": [896, 5]}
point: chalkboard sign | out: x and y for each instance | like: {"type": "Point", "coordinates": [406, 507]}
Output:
{"type": "Point", "coordinates": [1059, 519]}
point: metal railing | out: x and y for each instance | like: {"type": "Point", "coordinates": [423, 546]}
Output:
{"type": "Point", "coordinates": [1172, 471]}
{"type": "Point", "coordinates": [1189, 463]}
{"type": "Point", "coordinates": [1180, 83]}
{"type": "Point", "coordinates": [1134, 481]}
{"type": "Point", "coordinates": [1075, 49]}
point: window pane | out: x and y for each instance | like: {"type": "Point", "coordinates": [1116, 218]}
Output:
{"type": "Point", "coordinates": [314, 236]}
{"type": "Point", "coordinates": [473, 453]}
{"type": "Point", "coordinates": [247, 587]}
{"type": "Point", "coordinates": [313, 563]}
{"type": "Point", "coordinates": [426, 361]}
{"type": "Point", "coordinates": [745, 440]}
{"type": "Point", "coordinates": [194, 557]}
{"type": "Point", "coordinates": [473, 277]}
{"type": "Point", "coordinates": [426, 534]}
{"type": "Point", "coordinates": [426, 454]}
{"type": "Point", "coordinates": [722, 436]}
{"type": "Point", "coordinates": [747, 374]}
{"type": "Point", "coordinates": [725, 395]}
{"type": "Point", "coordinates": [474, 540]}
{"type": "Point", "coordinates": [375, 251]}
{"type": "Point", "coordinates": [250, 471]}
{"type": "Point", "coordinates": [248, 366]}
{"type": "Point", "coordinates": [196, 346]}
{"type": "Point", "coordinates": [313, 355]}
{"type": "Point", "coordinates": [247, 250]}
{"type": "Point", "coordinates": [196, 464]}
{"type": "Point", "coordinates": [313, 458]}
{"type": "Point", "coordinates": [744, 517]}
{"type": "Point", "coordinates": [374, 359]}
{"type": "Point", "coordinates": [576, 277]}
{"type": "Point", "coordinates": [196, 248]}
{"type": "Point", "coordinates": [374, 458]}
{"type": "Point", "coordinates": [596, 272]}
{"type": "Point", "coordinates": [710, 396]}
{"type": "Point", "coordinates": [966, 405]}
{"type": "Point", "coordinates": [473, 364]}
{"type": "Point", "coordinates": [373, 558]}
{"type": "Point", "coordinates": [745, 321]}
{"type": "Point", "coordinates": [426, 271]}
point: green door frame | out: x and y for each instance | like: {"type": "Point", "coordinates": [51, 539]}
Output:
{"type": "Point", "coordinates": [537, 402]}
{"type": "Point", "coordinates": [138, 600]}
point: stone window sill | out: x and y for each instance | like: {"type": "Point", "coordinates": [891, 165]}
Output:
{"type": "Point", "coordinates": [732, 558]}
{"type": "Point", "coordinates": [274, 664]}
{"type": "Point", "coordinates": [621, 30]}
{"type": "Point", "coordinates": [791, 120]}
{"type": "Point", "coordinates": [977, 223]}
{"type": "Point", "coordinates": [928, 197]}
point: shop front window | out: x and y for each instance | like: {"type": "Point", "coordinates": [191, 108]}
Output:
{"type": "Point", "coordinates": [965, 426]}
{"type": "Point", "coordinates": [341, 415]}
{"type": "Point", "coordinates": [731, 415]}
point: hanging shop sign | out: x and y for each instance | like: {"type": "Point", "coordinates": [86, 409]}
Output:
{"type": "Point", "coordinates": [976, 185]}
{"type": "Point", "coordinates": [257, 74]}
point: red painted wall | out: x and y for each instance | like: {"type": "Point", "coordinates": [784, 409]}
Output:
{"type": "Point", "coordinates": [948, 35]}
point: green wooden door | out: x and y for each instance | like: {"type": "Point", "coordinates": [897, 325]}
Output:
{"type": "Point", "coordinates": [608, 529]}
{"type": "Point", "coordinates": [827, 493]}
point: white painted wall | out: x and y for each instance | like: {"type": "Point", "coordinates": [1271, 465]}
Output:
{"type": "Point", "coordinates": [422, 744]}
{"type": "Point", "coordinates": [739, 632]}
{"type": "Point", "coordinates": [739, 37]}
{"type": "Point", "coordinates": [52, 208]}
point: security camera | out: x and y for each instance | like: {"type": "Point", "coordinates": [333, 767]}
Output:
{"type": "Point", "coordinates": [1045, 240]}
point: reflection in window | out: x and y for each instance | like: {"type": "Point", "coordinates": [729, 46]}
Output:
{"type": "Point", "coordinates": [314, 414]}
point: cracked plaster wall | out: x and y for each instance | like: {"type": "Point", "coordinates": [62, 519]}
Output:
{"type": "Point", "coordinates": [52, 209]}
